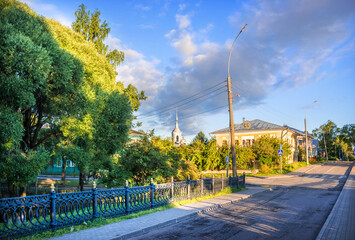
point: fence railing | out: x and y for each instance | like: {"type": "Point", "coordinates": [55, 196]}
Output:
{"type": "Point", "coordinates": [23, 216]}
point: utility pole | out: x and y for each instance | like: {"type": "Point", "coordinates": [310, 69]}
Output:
{"type": "Point", "coordinates": [305, 126]}
{"type": "Point", "coordinates": [325, 146]}
{"type": "Point", "coordinates": [231, 127]}
{"type": "Point", "coordinates": [230, 103]}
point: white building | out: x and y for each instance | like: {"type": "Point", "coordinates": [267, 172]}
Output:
{"type": "Point", "coordinates": [178, 139]}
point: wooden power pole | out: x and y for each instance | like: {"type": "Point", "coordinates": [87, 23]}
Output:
{"type": "Point", "coordinates": [230, 103]}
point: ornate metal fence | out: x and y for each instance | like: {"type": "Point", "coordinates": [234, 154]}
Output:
{"type": "Point", "coordinates": [23, 216]}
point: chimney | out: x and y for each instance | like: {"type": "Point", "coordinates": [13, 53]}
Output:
{"type": "Point", "coordinates": [243, 120]}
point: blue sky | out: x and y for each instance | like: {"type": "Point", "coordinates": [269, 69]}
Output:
{"type": "Point", "coordinates": [291, 54]}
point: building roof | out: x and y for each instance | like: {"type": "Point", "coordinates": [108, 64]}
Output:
{"type": "Point", "coordinates": [257, 124]}
{"type": "Point", "coordinates": [136, 133]}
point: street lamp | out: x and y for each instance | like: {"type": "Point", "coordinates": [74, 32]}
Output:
{"type": "Point", "coordinates": [305, 126]}
{"type": "Point", "coordinates": [230, 102]}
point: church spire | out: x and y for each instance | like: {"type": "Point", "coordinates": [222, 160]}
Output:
{"type": "Point", "coordinates": [176, 133]}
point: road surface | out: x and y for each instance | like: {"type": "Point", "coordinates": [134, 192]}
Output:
{"type": "Point", "coordinates": [296, 209]}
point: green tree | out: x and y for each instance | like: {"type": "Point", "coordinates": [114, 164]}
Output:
{"type": "Point", "coordinates": [244, 155]}
{"type": "Point", "coordinates": [200, 137]}
{"type": "Point", "coordinates": [64, 83]}
{"type": "Point", "coordinates": [329, 131]}
{"type": "Point", "coordinates": [347, 132]}
{"type": "Point", "coordinates": [89, 25]}
{"type": "Point", "coordinates": [157, 159]}
{"type": "Point", "coordinates": [265, 150]}
{"type": "Point", "coordinates": [49, 79]}
{"type": "Point", "coordinates": [92, 29]}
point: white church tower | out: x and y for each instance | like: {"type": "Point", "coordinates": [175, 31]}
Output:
{"type": "Point", "coordinates": [178, 139]}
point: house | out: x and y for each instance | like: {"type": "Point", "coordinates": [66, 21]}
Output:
{"type": "Point", "coordinates": [55, 166]}
{"type": "Point", "coordinates": [247, 132]}
{"type": "Point", "coordinates": [135, 136]}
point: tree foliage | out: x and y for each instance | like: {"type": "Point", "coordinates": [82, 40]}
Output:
{"type": "Point", "coordinates": [200, 137]}
{"type": "Point", "coordinates": [339, 141]}
{"type": "Point", "coordinates": [265, 150]}
{"type": "Point", "coordinates": [89, 26]}
{"type": "Point", "coordinates": [66, 84]}
{"type": "Point", "coordinates": [157, 159]}
{"type": "Point", "coordinates": [92, 29]}
{"type": "Point", "coordinates": [327, 132]}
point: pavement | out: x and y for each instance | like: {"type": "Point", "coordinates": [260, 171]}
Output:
{"type": "Point", "coordinates": [135, 226]}
{"type": "Point", "coordinates": [340, 223]}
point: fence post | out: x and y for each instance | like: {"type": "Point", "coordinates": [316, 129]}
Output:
{"type": "Point", "coordinates": [152, 190]}
{"type": "Point", "coordinates": [94, 195]}
{"type": "Point", "coordinates": [222, 180]}
{"type": "Point", "coordinates": [212, 183]}
{"type": "Point", "coordinates": [237, 181]}
{"type": "Point", "coordinates": [127, 197]}
{"type": "Point", "coordinates": [172, 189]}
{"type": "Point", "coordinates": [188, 187]}
{"type": "Point", "coordinates": [201, 184]}
{"type": "Point", "coordinates": [53, 213]}
{"type": "Point", "coordinates": [243, 179]}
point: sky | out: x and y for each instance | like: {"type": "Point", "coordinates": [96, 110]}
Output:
{"type": "Point", "coordinates": [291, 54]}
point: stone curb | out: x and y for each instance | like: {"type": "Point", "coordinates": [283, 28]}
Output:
{"type": "Point", "coordinates": [179, 219]}
{"type": "Point", "coordinates": [332, 213]}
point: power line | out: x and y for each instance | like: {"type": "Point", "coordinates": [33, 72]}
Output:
{"type": "Point", "coordinates": [193, 115]}
{"type": "Point", "coordinates": [192, 103]}
{"type": "Point", "coordinates": [266, 108]}
{"type": "Point", "coordinates": [182, 100]}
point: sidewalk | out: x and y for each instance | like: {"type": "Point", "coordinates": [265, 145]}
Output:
{"type": "Point", "coordinates": [340, 223]}
{"type": "Point", "coordinates": [131, 227]}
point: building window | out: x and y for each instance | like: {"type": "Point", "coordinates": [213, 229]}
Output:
{"type": "Point", "coordinates": [252, 141]}
{"type": "Point", "coordinates": [237, 142]}
{"type": "Point", "coordinates": [224, 143]}
{"type": "Point", "coordinates": [243, 143]}
{"type": "Point", "coordinates": [248, 142]}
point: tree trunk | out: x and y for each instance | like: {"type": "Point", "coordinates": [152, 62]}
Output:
{"type": "Point", "coordinates": [22, 191]}
{"type": "Point", "coordinates": [64, 166]}
{"type": "Point", "coordinates": [81, 181]}
{"type": "Point", "coordinates": [12, 189]}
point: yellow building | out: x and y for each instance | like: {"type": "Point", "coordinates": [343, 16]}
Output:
{"type": "Point", "coordinates": [247, 132]}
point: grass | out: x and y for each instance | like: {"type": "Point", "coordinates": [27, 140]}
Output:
{"type": "Point", "coordinates": [269, 171]}
{"type": "Point", "coordinates": [104, 221]}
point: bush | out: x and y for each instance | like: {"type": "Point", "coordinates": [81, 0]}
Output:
{"type": "Point", "coordinates": [265, 169]}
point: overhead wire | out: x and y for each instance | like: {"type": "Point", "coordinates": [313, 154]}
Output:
{"type": "Point", "coordinates": [193, 115]}
{"type": "Point", "coordinates": [192, 97]}
{"type": "Point", "coordinates": [268, 109]}
{"type": "Point", "coordinates": [187, 104]}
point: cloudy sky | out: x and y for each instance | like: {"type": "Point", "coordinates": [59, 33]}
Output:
{"type": "Point", "coordinates": [290, 54]}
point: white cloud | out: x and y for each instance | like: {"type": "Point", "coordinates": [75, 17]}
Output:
{"type": "Point", "coordinates": [207, 29]}
{"type": "Point", "coordinates": [182, 7]}
{"type": "Point", "coordinates": [137, 70]}
{"type": "Point", "coordinates": [183, 21]}
{"type": "Point", "coordinates": [142, 7]}
{"type": "Point", "coordinates": [51, 11]}
{"type": "Point", "coordinates": [182, 39]}
{"type": "Point", "coordinates": [285, 45]}
{"type": "Point", "coordinates": [185, 45]}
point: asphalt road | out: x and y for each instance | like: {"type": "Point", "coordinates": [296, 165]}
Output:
{"type": "Point", "coordinates": [296, 209]}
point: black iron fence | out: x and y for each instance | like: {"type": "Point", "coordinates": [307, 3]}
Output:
{"type": "Point", "coordinates": [23, 216]}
